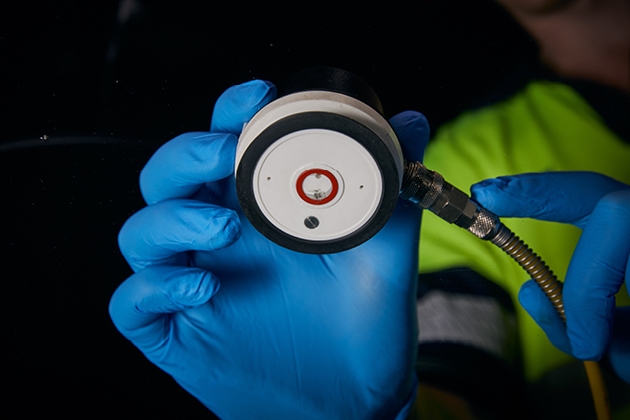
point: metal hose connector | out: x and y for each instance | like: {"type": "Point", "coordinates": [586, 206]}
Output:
{"type": "Point", "coordinates": [533, 264]}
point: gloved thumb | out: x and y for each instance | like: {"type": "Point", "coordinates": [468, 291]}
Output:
{"type": "Point", "coordinates": [140, 306]}
{"type": "Point", "coordinates": [239, 103]}
{"type": "Point", "coordinates": [412, 130]}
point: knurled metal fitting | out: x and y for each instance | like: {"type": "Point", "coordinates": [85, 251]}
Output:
{"type": "Point", "coordinates": [485, 225]}
{"type": "Point", "coordinates": [428, 190]}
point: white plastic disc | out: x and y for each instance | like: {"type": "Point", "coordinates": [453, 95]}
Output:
{"type": "Point", "coordinates": [317, 185]}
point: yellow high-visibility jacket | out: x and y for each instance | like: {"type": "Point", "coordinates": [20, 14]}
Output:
{"type": "Point", "coordinates": [546, 126]}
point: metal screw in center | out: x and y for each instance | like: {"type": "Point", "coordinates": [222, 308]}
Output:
{"type": "Point", "coordinates": [317, 187]}
{"type": "Point", "coordinates": [311, 222]}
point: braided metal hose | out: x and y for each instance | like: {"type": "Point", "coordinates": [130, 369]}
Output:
{"type": "Point", "coordinates": [533, 264]}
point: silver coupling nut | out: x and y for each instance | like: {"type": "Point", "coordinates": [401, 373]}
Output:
{"type": "Point", "coordinates": [428, 190]}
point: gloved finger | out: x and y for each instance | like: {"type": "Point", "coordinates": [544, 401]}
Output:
{"type": "Point", "coordinates": [619, 350]}
{"type": "Point", "coordinates": [159, 234]}
{"type": "Point", "coordinates": [181, 166]}
{"type": "Point", "coordinates": [139, 305]}
{"type": "Point", "coordinates": [238, 104]}
{"type": "Point", "coordinates": [412, 130]}
{"type": "Point", "coordinates": [596, 273]}
{"type": "Point", "coordinates": [567, 197]}
{"type": "Point", "coordinates": [538, 306]}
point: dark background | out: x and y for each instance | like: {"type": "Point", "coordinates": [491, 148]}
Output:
{"type": "Point", "coordinates": [91, 88]}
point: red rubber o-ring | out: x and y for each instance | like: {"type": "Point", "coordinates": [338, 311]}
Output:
{"type": "Point", "coordinates": [300, 186]}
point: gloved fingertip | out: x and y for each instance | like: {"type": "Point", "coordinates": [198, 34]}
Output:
{"type": "Point", "coordinates": [139, 305]}
{"type": "Point", "coordinates": [259, 92]}
{"type": "Point", "coordinates": [486, 191]}
{"type": "Point", "coordinates": [586, 354]}
{"type": "Point", "coordinates": [589, 344]}
{"type": "Point", "coordinates": [529, 297]}
{"type": "Point", "coordinates": [413, 131]}
{"type": "Point", "coordinates": [587, 348]}
{"type": "Point", "coordinates": [238, 104]}
{"type": "Point", "coordinates": [192, 288]}
{"type": "Point", "coordinates": [505, 197]}
{"type": "Point", "coordinates": [413, 119]}
{"type": "Point", "coordinates": [228, 230]}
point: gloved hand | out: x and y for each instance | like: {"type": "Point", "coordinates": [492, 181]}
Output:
{"type": "Point", "coordinates": [286, 335]}
{"type": "Point", "coordinates": [600, 206]}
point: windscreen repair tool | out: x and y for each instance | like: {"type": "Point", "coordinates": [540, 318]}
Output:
{"type": "Point", "coordinates": [320, 169]}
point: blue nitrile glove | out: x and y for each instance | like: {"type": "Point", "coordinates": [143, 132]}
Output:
{"type": "Point", "coordinates": [286, 335]}
{"type": "Point", "coordinates": [600, 206]}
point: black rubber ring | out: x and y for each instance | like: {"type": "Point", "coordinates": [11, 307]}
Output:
{"type": "Point", "coordinates": [318, 120]}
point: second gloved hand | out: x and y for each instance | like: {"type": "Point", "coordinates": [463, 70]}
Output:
{"type": "Point", "coordinates": [600, 206]}
{"type": "Point", "coordinates": [253, 330]}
